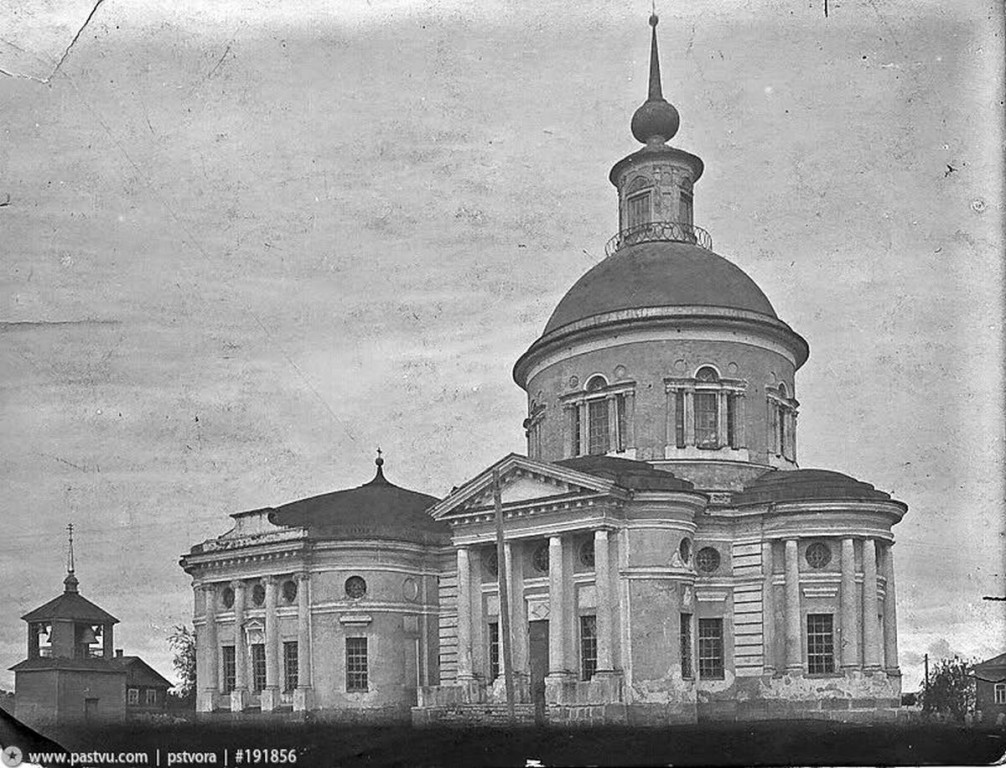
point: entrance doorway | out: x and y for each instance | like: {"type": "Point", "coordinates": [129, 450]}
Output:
{"type": "Point", "coordinates": [538, 652]}
{"type": "Point", "coordinates": [90, 710]}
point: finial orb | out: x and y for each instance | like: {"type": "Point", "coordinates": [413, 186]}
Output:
{"type": "Point", "coordinates": [656, 119]}
{"type": "Point", "coordinates": [379, 461]}
{"type": "Point", "coordinates": [654, 19]}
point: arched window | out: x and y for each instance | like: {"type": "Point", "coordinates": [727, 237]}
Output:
{"type": "Point", "coordinates": [707, 410]}
{"type": "Point", "coordinates": [596, 384]}
{"type": "Point", "coordinates": [599, 418]}
{"type": "Point", "coordinates": [706, 374]}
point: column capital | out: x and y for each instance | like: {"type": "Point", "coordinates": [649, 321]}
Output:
{"type": "Point", "coordinates": [237, 584]}
{"type": "Point", "coordinates": [270, 580]}
{"type": "Point", "coordinates": [209, 588]}
{"type": "Point", "coordinates": [601, 534]}
{"type": "Point", "coordinates": [555, 541]}
{"type": "Point", "coordinates": [302, 576]}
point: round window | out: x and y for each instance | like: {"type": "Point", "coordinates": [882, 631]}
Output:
{"type": "Point", "coordinates": [587, 553]}
{"type": "Point", "coordinates": [707, 559]}
{"type": "Point", "coordinates": [539, 559]}
{"type": "Point", "coordinates": [818, 555]}
{"type": "Point", "coordinates": [492, 562]}
{"type": "Point", "coordinates": [685, 550]}
{"type": "Point", "coordinates": [228, 597]}
{"type": "Point", "coordinates": [356, 587]}
{"type": "Point", "coordinates": [410, 589]}
{"type": "Point", "coordinates": [289, 590]}
{"type": "Point", "coordinates": [258, 594]}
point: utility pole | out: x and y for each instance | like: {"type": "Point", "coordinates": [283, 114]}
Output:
{"type": "Point", "coordinates": [925, 687]}
{"type": "Point", "coordinates": [504, 595]}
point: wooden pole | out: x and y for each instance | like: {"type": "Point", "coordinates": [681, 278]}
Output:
{"type": "Point", "coordinates": [504, 595]}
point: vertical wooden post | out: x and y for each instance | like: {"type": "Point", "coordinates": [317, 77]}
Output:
{"type": "Point", "coordinates": [504, 596]}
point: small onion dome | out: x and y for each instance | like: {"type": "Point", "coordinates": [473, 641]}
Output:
{"type": "Point", "coordinates": [656, 120]}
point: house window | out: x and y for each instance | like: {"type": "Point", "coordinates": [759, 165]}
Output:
{"type": "Point", "coordinates": [150, 697]}
{"type": "Point", "coordinates": [290, 680]}
{"type": "Point", "coordinates": [708, 410]}
{"type": "Point", "coordinates": [782, 422]}
{"type": "Point", "coordinates": [258, 667]}
{"type": "Point", "coordinates": [356, 587]}
{"type": "Point", "coordinates": [229, 667]}
{"type": "Point", "coordinates": [820, 644]}
{"type": "Point", "coordinates": [607, 412]}
{"type": "Point", "coordinates": [637, 210]}
{"type": "Point", "coordinates": [494, 650]}
{"type": "Point", "coordinates": [999, 693]}
{"type": "Point", "coordinates": [707, 559]}
{"type": "Point", "coordinates": [356, 663]}
{"type": "Point", "coordinates": [707, 420]}
{"type": "Point", "coordinates": [597, 416]}
{"type": "Point", "coordinates": [818, 555]}
{"type": "Point", "coordinates": [711, 649]}
{"type": "Point", "coordinates": [133, 696]}
{"type": "Point", "coordinates": [539, 558]}
{"type": "Point", "coordinates": [685, 645]}
{"type": "Point", "coordinates": [685, 208]}
{"type": "Point", "coordinates": [588, 647]}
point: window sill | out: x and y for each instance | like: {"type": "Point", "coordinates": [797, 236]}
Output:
{"type": "Point", "coordinates": [698, 452]}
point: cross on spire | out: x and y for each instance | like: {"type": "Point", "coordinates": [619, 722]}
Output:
{"type": "Point", "coordinates": [69, 551]}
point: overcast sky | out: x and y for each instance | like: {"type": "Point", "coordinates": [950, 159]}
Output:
{"type": "Point", "coordinates": [247, 243]}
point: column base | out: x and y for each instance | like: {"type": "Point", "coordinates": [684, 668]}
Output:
{"type": "Point", "coordinates": [796, 671]}
{"type": "Point", "coordinates": [206, 701]}
{"type": "Point", "coordinates": [239, 700]}
{"type": "Point", "coordinates": [303, 699]}
{"type": "Point", "coordinates": [269, 699]}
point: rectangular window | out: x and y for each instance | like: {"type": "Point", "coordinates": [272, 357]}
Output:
{"type": "Point", "coordinates": [638, 210]}
{"type": "Point", "coordinates": [356, 663]}
{"type": "Point", "coordinates": [999, 693]}
{"type": "Point", "coordinates": [588, 647]}
{"type": "Point", "coordinates": [494, 650]}
{"type": "Point", "coordinates": [150, 697]}
{"type": "Point", "coordinates": [781, 419]}
{"type": "Point", "coordinates": [230, 673]}
{"type": "Point", "coordinates": [711, 648]}
{"type": "Point", "coordinates": [732, 421]}
{"type": "Point", "coordinates": [685, 209]}
{"type": "Point", "coordinates": [679, 419]}
{"type": "Point", "coordinates": [685, 643]}
{"type": "Point", "coordinates": [820, 644]}
{"type": "Point", "coordinates": [258, 667]}
{"type": "Point", "coordinates": [290, 669]}
{"type": "Point", "coordinates": [574, 426]}
{"type": "Point", "coordinates": [597, 427]}
{"type": "Point", "coordinates": [133, 696]}
{"type": "Point", "coordinates": [707, 427]}
{"type": "Point", "coordinates": [620, 423]}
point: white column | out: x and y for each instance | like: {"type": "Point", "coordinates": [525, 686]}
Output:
{"type": "Point", "coordinates": [269, 698]}
{"type": "Point", "coordinates": [210, 683]}
{"type": "Point", "coordinates": [871, 624]}
{"type": "Point", "coordinates": [602, 587]}
{"type": "Point", "coordinates": [768, 610]}
{"type": "Point", "coordinates": [556, 609]}
{"type": "Point", "coordinates": [794, 628]}
{"type": "Point", "coordinates": [302, 694]}
{"type": "Point", "coordinates": [465, 670]}
{"type": "Point", "coordinates": [890, 615]}
{"type": "Point", "coordinates": [239, 696]}
{"type": "Point", "coordinates": [849, 616]}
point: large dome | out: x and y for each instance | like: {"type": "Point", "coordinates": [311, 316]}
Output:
{"type": "Point", "coordinates": [659, 274]}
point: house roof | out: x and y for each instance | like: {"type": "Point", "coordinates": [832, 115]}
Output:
{"type": "Point", "coordinates": [138, 672]}
{"type": "Point", "coordinates": [806, 485]}
{"type": "Point", "coordinates": [378, 509]}
{"type": "Point", "coordinates": [62, 664]}
{"type": "Point", "coordinates": [72, 606]}
{"type": "Point", "coordinates": [628, 474]}
{"type": "Point", "coordinates": [659, 274]}
{"type": "Point", "coordinates": [991, 670]}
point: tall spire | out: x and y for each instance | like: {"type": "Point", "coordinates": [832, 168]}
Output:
{"type": "Point", "coordinates": [70, 582]}
{"type": "Point", "coordinates": [656, 121]}
{"type": "Point", "coordinates": [656, 94]}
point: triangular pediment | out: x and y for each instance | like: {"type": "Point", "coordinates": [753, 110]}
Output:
{"type": "Point", "coordinates": [522, 481]}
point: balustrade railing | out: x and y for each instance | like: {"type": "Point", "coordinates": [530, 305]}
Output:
{"type": "Point", "coordinates": [657, 231]}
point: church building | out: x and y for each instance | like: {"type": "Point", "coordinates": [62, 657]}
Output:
{"type": "Point", "coordinates": [666, 559]}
